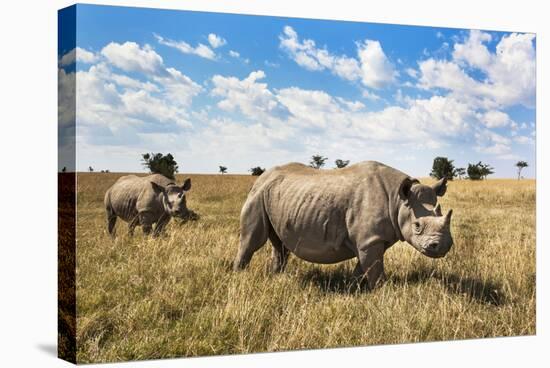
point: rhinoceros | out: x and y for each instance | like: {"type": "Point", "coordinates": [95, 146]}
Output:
{"type": "Point", "coordinates": [328, 216]}
{"type": "Point", "coordinates": [145, 201]}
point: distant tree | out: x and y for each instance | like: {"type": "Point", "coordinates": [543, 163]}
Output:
{"type": "Point", "coordinates": [460, 172]}
{"type": "Point", "coordinates": [102, 171]}
{"type": "Point", "coordinates": [64, 169]}
{"type": "Point", "coordinates": [223, 169]}
{"type": "Point", "coordinates": [157, 163]}
{"type": "Point", "coordinates": [317, 161]}
{"type": "Point", "coordinates": [90, 169]}
{"type": "Point", "coordinates": [521, 165]}
{"type": "Point", "coordinates": [486, 170]}
{"type": "Point", "coordinates": [479, 171]}
{"type": "Point", "coordinates": [443, 168]}
{"type": "Point", "coordinates": [106, 170]}
{"type": "Point", "coordinates": [341, 163]}
{"type": "Point", "coordinates": [257, 171]}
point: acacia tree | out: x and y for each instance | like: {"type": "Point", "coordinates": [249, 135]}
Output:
{"type": "Point", "coordinates": [158, 163]}
{"type": "Point", "coordinates": [460, 172]}
{"type": "Point", "coordinates": [479, 171]}
{"type": "Point", "coordinates": [90, 169]}
{"type": "Point", "coordinates": [223, 170]}
{"type": "Point", "coordinates": [317, 161]}
{"type": "Point", "coordinates": [521, 165]}
{"type": "Point", "coordinates": [257, 171]}
{"type": "Point", "coordinates": [443, 168]}
{"type": "Point", "coordinates": [341, 163]}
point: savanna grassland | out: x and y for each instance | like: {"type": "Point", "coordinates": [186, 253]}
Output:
{"type": "Point", "coordinates": [144, 298]}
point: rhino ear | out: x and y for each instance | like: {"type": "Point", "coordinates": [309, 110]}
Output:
{"type": "Point", "coordinates": [405, 188]}
{"type": "Point", "coordinates": [186, 185]}
{"type": "Point", "coordinates": [158, 188]}
{"type": "Point", "coordinates": [440, 187]}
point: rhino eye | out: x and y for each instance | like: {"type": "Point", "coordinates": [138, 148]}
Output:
{"type": "Point", "coordinates": [417, 227]}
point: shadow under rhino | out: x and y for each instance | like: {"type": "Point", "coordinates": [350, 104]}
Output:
{"type": "Point", "coordinates": [343, 282]}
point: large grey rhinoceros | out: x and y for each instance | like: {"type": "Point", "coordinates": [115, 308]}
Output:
{"type": "Point", "coordinates": [328, 216]}
{"type": "Point", "coordinates": [147, 200]}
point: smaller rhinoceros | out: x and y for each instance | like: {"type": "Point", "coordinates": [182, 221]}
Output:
{"type": "Point", "coordinates": [145, 201]}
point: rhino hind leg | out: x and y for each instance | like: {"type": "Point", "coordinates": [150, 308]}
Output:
{"type": "Point", "coordinates": [279, 254]}
{"type": "Point", "coordinates": [254, 232]}
{"type": "Point", "coordinates": [132, 225]}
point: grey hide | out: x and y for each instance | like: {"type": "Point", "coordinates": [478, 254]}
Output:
{"type": "Point", "coordinates": [145, 201]}
{"type": "Point", "coordinates": [328, 216]}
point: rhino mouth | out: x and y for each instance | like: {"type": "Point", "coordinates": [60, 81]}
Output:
{"type": "Point", "coordinates": [435, 249]}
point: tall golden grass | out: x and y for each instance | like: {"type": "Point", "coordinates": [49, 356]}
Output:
{"type": "Point", "coordinates": [145, 298]}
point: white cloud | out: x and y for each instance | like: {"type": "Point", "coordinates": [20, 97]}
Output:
{"type": "Point", "coordinates": [131, 57]}
{"type": "Point", "coordinates": [200, 50]}
{"type": "Point", "coordinates": [372, 67]}
{"type": "Point", "coordinates": [248, 95]}
{"type": "Point", "coordinates": [66, 98]}
{"type": "Point", "coordinates": [377, 69]}
{"type": "Point", "coordinates": [216, 41]}
{"type": "Point", "coordinates": [510, 71]}
{"type": "Point", "coordinates": [78, 54]}
{"type": "Point", "coordinates": [496, 119]}
{"type": "Point", "coordinates": [412, 73]}
{"type": "Point", "coordinates": [473, 51]}
{"type": "Point", "coordinates": [521, 139]}
{"type": "Point", "coordinates": [370, 95]}
{"type": "Point", "coordinates": [114, 109]}
{"type": "Point", "coordinates": [236, 55]}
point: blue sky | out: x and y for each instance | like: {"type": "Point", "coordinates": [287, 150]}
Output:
{"type": "Point", "coordinates": [242, 91]}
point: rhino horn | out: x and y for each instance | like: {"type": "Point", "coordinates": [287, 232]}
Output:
{"type": "Point", "coordinates": [437, 210]}
{"type": "Point", "coordinates": [448, 217]}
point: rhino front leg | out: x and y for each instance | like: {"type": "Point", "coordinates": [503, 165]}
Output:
{"type": "Point", "coordinates": [370, 265]}
{"type": "Point", "coordinates": [146, 220]}
{"type": "Point", "coordinates": [161, 224]}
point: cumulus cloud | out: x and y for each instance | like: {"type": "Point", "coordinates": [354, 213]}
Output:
{"type": "Point", "coordinates": [131, 57]}
{"type": "Point", "coordinates": [199, 50]}
{"type": "Point", "coordinates": [251, 97]}
{"type": "Point", "coordinates": [114, 108]}
{"type": "Point", "coordinates": [509, 72]}
{"type": "Point", "coordinates": [496, 119]}
{"type": "Point", "coordinates": [372, 67]}
{"type": "Point", "coordinates": [216, 41]}
{"type": "Point", "coordinates": [377, 71]}
{"type": "Point", "coordinates": [78, 54]}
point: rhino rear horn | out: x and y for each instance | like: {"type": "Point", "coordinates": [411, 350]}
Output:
{"type": "Point", "coordinates": [440, 187]}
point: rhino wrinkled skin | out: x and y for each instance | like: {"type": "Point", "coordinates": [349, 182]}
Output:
{"type": "Point", "coordinates": [145, 201]}
{"type": "Point", "coordinates": [328, 216]}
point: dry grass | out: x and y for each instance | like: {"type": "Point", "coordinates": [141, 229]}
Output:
{"type": "Point", "coordinates": [144, 298]}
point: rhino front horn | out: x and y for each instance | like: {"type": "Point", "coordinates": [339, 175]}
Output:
{"type": "Point", "coordinates": [448, 217]}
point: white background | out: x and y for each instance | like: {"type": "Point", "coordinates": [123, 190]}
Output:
{"type": "Point", "coordinates": [28, 140]}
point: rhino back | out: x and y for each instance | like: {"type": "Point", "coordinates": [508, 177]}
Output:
{"type": "Point", "coordinates": [132, 194]}
{"type": "Point", "coordinates": [316, 213]}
